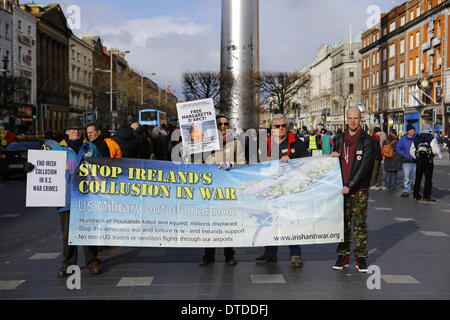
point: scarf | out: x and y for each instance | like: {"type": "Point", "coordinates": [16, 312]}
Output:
{"type": "Point", "coordinates": [75, 145]}
{"type": "Point", "coordinates": [348, 154]}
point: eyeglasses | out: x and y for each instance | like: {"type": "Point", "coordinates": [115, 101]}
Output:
{"type": "Point", "coordinates": [278, 126]}
{"type": "Point", "coordinates": [220, 124]}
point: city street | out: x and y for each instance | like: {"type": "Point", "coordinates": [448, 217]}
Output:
{"type": "Point", "coordinates": [408, 241]}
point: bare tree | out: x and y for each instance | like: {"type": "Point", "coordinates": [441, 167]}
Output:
{"type": "Point", "coordinates": [282, 87]}
{"type": "Point", "coordinates": [13, 89]}
{"type": "Point", "coordinates": [343, 94]}
{"type": "Point", "coordinates": [201, 85]}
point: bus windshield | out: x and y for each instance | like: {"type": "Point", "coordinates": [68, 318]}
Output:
{"type": "Point", "coordinates": [149, 116]}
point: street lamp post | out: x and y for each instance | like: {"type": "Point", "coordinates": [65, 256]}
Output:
{"type": "Point", "coordinates": [111, 84]}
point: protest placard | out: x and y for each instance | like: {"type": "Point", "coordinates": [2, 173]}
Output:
{"type": "Point", "coordinates": [46, 185]}
{"type": "Point", "coordinates": [198, 126]}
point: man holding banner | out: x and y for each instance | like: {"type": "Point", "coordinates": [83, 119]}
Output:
{"type": "Point", "coordinates": [289, 148]}
{"type": "Point", "coordinates": [77, 150]}
{"type": "Point", "coordinates": [357, 151]}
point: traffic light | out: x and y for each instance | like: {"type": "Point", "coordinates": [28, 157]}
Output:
{"type": "Point", "coordinates": [35, 115]}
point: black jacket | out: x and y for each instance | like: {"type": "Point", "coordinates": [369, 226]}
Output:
{"type": "Point", "coordinates": [363, 163]}
{"type": "Point", "coordinates": [291, 146]}
{"type": "Point", "coordinates": [145, 146]}
{"type": "Point", "coordinates": [128, 142]}
{"type": "Point", "coordinates": [161, 148]}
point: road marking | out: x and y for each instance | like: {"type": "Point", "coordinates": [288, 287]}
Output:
{"type": "Point", "coordinates": [135, 282]}
{"type": "Point", "coordinates": [384, 209]}
{"type": "Point", "coordinates": [371, 200]}
{"type": "Point", "coordinates": [405, 219]}
{"type": "Point", "coordinates": [9, 215]}
{"type": "Point", "coordinates": [10, 284]}
{"type": "Point", "coordinates": [399, 279]}
{"type": "Point", "coordinates": [374, 250]}
{"type": "Point", "coordinates": [267, 278]}
{"type": "Point", "coordinates": [434, 234]}
{"type": "Point", "coordinates": [45, 256]}
{"type": "Point", "coordinates": [447, 211]}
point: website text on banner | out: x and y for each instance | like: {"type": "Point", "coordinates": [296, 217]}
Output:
{"type": "Point", "coordinates": [141, 203]}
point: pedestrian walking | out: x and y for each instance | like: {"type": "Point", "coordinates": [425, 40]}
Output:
{"type": "Point", "coordinates": [127, 141]}
{"type": "Point", "coordinates": [77, 150]}
{"type": "Point", "coordinates": [392, 162]}
{"type": "Point", "coordinates": [231, 154]}
{"type": "Point", "coordinates": [160, 145]}
{"type": "Point", "coordinates": [145, 145]}
{"type": "Point", "coordinates": [289, 148]}
{"type": "Point", "coordinates": [357, 151]}
{"type": "Point", "coordinates": [326, 143]}
{"type": "Point", "coordinates": [376, 181]}
{"type": "Point", "coordinates": [424, 148]}
{"type": "Point", "coordinates": [313, 143]}
{"type": "Point", "coordinates": [403, 149]}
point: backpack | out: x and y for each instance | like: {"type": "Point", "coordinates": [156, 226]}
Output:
{"type": "Point", "coordinates": [424, 151]}
{"type": "Point", "coordinates": [388, 151]}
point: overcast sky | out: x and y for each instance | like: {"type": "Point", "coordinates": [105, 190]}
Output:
{"type": "Point", "coordinates": [169, 37]}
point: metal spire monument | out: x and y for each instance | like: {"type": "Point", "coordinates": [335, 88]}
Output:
{"type": "Point", "coordinates": [240, 62]}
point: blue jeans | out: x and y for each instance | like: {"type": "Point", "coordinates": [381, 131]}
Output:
{"type": "Point", "coordinates": [296, 251]}
{"type": "Point", "coordinates": [390, 180]}
{"type": "Point", "coordinates": [409, 172]}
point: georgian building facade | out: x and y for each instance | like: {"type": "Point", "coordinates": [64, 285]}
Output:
{"type": "Point", "coordinates": [52, 65]}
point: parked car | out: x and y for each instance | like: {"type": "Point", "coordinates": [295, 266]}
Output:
{"type": "Point", "coordinates": [13, 158]}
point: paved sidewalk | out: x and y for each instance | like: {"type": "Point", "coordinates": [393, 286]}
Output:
{"type": "Point", "coordinates": [409, 241]}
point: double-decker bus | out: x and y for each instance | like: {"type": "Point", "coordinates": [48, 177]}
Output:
{"type": "Point", "coordinates": [152, 117]}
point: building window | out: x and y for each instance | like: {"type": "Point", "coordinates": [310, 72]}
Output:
{"type": "Point", "coordinates": [411, 42]}
{"type": "Point", "coordinates": [417, 65]}
{"type": "Point", "coordinates": [417, 39]}
{"type": "Point", "coordinates": [384, 54]}
{"type": "Point", "coordinates": [392, 73]}
{"type": "Point", "coordinates": [392, 51]}
{"type": "Point", "coordinates": [402, 21]}
{"type": "Point", "coordinates": [351, 88]}
{"type": "Point", "coordinates": [7, 31]}
{"type": "Point", "coordinates": [402, 96]}
{"type": "Point", "coordinates": [393, 100]}
{"type": "Point", "coordinates": [384, 76]}
{"type": "Point", "coordinates": [29, 30]}
{"type": "Point", "coordinates": [20, 55]}
{"type": "Point", "coordinates": [402, 70]}
{"type": "Point", "coordinates": [392, 27]}
{"type": "Point", "coordinates": [19, 25]}
{"type": "Point", "coordinates": [402, 46]}
{"type": "Point", "coordinates": [352, 73]}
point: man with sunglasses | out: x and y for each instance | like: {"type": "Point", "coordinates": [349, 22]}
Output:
{"type": "Point", "coordinates": [231, 154]}
{"type": "Point", "coordinates": [289, 148]}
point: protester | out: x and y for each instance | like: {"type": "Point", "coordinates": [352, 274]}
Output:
{"type": "Point", "coordinates": [313, 143]}
{"type": "Point", "coordinates": [145, 145]}
{"type": "Point", "coordinates": [376, 181]}
{"type": "Point", "coordinates": [424, 148]}
{"type": "Point", "coordinates": [107, 146]}
{"type": "Point", "coordinates": [77, 150]}
{"type": "Point", "coordinates": [403, 149]}
{"type": "Point", "coordinates": [231, 154]}
{"type": "Point", "coordinates": [326, 140]}
{"type": "Point", "coordinates": [392, 162]}
{"type": "Point", "coordinates": [357, 151]}
{"type": "Point", "coordinates": [289, 148]}
{"type": "Point", "coordinates": [160, 145]}
{"type": "Point", "coordinates": [127, 141]}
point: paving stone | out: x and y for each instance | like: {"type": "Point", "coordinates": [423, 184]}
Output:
{"type": "Point", "coordinates": [135, 281]}
{"type": "Point", "coordinates": [399, 279]}
{"type": "Point", "coordinates": [434, 234]}
{"type": "Point", "coordinates": [44, 256]}
{"type": "Point", "coordinates": [10, 284]}
{"type": "Point", "coordinates": [267, 278]}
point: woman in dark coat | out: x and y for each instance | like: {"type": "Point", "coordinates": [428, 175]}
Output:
{"type": "Point", "coordinates": [392, 165]}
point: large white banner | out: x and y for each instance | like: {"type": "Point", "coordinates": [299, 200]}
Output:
{"type": "Point", "coordinates": [142, 203]}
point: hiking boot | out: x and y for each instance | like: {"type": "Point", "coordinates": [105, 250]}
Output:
{"type": "Point", "coordinates": [342, 262]}
{"type": "Point", "coordinates": [405, 195]}
{"type": "Point", "coordinates": [231, 262]}
{"type": "Point", "coordinates": [296, 262]}
{"type": "Point", "coordinates": [206, 261]}
{"type": "Point", "coordinates": [361, 264]}
{"type": "Point", "coordinates": [266, 259]}
{"type": "Point", "coordinates": [418, 197]}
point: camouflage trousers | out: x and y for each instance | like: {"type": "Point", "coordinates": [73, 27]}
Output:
{"type": "Point", "coordinates": [355, 212]}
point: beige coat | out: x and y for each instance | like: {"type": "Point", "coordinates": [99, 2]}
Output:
{"type": "Point", "coordinates": [234, 153]}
